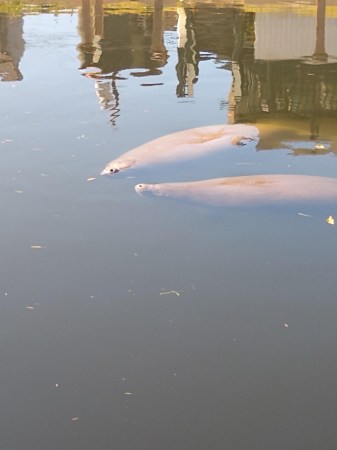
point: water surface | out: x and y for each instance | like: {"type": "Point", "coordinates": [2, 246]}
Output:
{"type": "Point", "coordinates": [141, 323]}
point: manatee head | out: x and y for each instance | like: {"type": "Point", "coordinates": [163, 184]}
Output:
{"type": "Point", "coordinates": [117, 165]}
{"type": "Point", "coordinates": [159, 189]}
{"type": "Point", "coordinates": [109, 170]}
{"type": "Point", "coordinates": [143, 188]}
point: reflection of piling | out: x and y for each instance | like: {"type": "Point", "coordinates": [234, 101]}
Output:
{"type": "Point", "coordinates": [115, 109]}
{"type": "Point", "coordinates": [158, 50]}
{"type": "Point", "coordinates": [187, 67]}
{"type": "Point", "coordinates": [320, 31]}
{"type": "Point", "coordinates": [91, 31]}
{"type": "Point", "coordinates": [99, 18]}
{"type": "Point", "coordinates": [85, 25]}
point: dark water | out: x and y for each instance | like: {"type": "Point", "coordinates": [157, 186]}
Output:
{"type": "Point", "coordinates": [135, 323]}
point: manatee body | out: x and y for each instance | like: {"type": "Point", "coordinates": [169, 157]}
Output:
{"type": "Point", "coordinates": [249, 190]}
{"type": "Point", "coordinates": [184, 145]}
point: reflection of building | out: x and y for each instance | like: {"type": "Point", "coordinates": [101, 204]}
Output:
{"type": "Point", "coordinates": [286, 73]}
{"type": "Point", "coordinates": [283, 63]}
{"type": "Point", "coordinates": [11, 47]}
{"type": "Point", "coordinates": [295, 87]}
{"type": "Point", "coordinates": [295, 36]}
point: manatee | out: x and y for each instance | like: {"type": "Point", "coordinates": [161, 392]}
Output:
{"type": "Point", "coordinates": [184, 145]}
{"type": "Point", "coordinates": [248, 190]}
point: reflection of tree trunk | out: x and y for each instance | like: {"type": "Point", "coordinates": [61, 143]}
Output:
{"type": "Point", "coordinates": [320, 30]}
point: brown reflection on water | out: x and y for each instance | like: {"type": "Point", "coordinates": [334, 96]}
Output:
{"type": "Point", "coordinates": [187, 67]}
{"type": "Point", "coordinates": [278, 89]}
{"type": "Point", "coordinates": [283, 70]}
{"type": "Point", "coordinates": [320, 31]}
{"type": "Point", "coordinates": [115, 42]}
{"type": "Point", "coordinates": [12, 47]}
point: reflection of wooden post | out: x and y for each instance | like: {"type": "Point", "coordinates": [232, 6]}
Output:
{"type": "Point", "coordinates": [158, 50]}
{"type": "Point", "coordinates": [320, 30]}
{"type": "Point", "coordinates": [91, 20]}
{"type": "Point", "coordinates": [99, 18]}
{"type": "Point", "coordinates": [91, 30]}
{"type": "Point", "coordinates": [187, 67]}
{"type": "Point", "coordinates": [85, 22]}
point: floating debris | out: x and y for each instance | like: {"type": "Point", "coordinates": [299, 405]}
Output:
{"type": "Point", "coordinates": [151, 84]}
{"type": "Point", "coordinates": [37, 247]}
{"type": "Point", "coordinates": [286, 325]}
{"type": "Point", "coordinates": [75, 419]}
{"type": "Point", "coordinates": [170, 292]}
{"type": "Point", "coordinates": [91, 179]}
{"type": "Point", "coordinates": [29, 307]}
{"type": "Point", "coordinates": [304, 215]}
{"type": "Point", "coordinates": [330, 220]}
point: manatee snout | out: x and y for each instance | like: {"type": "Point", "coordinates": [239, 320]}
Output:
{"type": "Point", "coordinates": [145, 189]}
{"type": "Point", "coordinates": [140, 188]}
{"type": "Point", "coordinates": [108, 171]}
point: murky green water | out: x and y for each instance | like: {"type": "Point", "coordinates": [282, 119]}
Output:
{"type": "Point", "coordinates": [137, 323]}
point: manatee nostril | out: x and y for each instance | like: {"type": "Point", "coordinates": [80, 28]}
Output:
{"type": "Point", "coordinates": [114, 170]}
